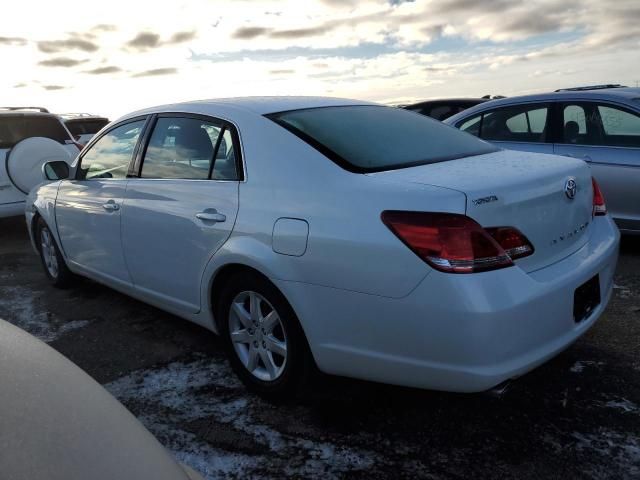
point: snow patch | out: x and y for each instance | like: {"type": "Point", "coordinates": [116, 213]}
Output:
{"type": "Point", "coordinates": [580, 365]}
{"type": "Point", "coordinates": [622, 450]}
{"type": "Point", "coordinates": [205, 389]}
{"type": "Point", "coordinates": [18, 307]}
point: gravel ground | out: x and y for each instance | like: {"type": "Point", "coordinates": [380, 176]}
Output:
{"type": "Point", "coordinates": [577, 416]}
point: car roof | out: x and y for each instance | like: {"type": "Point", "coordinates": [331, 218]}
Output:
{"type": "Point", "coordinates": [624, 95]}
{"type": "Point", "coordinates": [68, 117]}
{"type": "Point", "coordinates": [256, 105]}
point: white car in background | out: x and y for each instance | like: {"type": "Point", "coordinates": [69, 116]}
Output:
{"type": "Point", "coordinates": [29, 137]}
{"type": "Point", "coordinates": [370, 241]}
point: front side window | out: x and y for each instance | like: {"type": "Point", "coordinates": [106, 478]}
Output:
{"type": "Point", "coordinates": [185, 148]}
{"type": "Point", "coordinates": [590, 123]}
{"type": "Point", "coordinates": [110, 156]}
{"type": "Point", "coordinates": [370, 138]}
{"type": "Point", "coordinates": [620, 128]}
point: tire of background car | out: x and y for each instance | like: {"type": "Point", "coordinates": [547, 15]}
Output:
{"type": "Point", "coordinates": [266, 345]}
{"type": "Point", "coordinates": [54, 265]}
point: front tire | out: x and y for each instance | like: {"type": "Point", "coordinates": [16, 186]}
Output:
{"type": "Point", "coordinates": [54, 265]}
{"type": "Point", "coordinates": [266, 345]}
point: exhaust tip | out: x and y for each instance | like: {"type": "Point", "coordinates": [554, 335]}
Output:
{"type": "Point", "coordinates": [500, 390]}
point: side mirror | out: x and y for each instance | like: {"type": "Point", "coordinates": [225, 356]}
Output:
{"type": "Point", "coordinates": [57, 170]}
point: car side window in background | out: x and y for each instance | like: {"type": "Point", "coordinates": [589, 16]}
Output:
{"type": "Point", "coordinates": [181, 148]}
{"type": "Point", "coordinates": [109, 157]}
{"type": "Point", "coordinates": [620, 128]}
{"type": "Point", "coordinates": [522, 123]}
{"type": "Point", "coordinates": [471, 126]}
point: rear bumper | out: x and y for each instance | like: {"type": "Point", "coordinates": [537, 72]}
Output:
{"type": "Point", "coordinates": [13, 209]}
{"type": "Point", "coordinates": [462, 333]}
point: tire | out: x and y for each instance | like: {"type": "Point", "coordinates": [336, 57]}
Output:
{"type": "Point", "coordinates": [253, 341]}
{"type": "Point", "coordinates": [53, 263]}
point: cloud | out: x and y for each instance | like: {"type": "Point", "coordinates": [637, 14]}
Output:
{"type": "Point", "coordinates": [247, 33]}
{"type": "Point", "coordinates": [20, 85]}
{"type": "Point", "coordinates": [104, 70]}
{"type": "Point", "coordinates": [147, 40]}
{"type": "Point", "coordinates": [13, 41]}
{"type": "Point", "coordinates": [103, 27]}
{"type": "Point", "coordinates": [180, 37]}
{"type": "Point", "coordinates": [61, 62]}
{"type": "Point", "coordinates": [302, 32]}
{"type": "Point", "coordinates": [284, 71]}
{"type": "Point", "coordinates": [144, 40]}
{"type": "Point", "coordinates": [55, 46]}
{"type": "Point", "coordinates": [53, 87]}
{"type": "Point", "coordinates": [156, 72]}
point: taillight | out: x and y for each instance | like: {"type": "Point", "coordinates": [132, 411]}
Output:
{"type": "Point", "coordinates": [448, 242]}
{"type": "Point", "coordinates": [513, 242]}
{"type": "Point", "coordinates": [599, 207]}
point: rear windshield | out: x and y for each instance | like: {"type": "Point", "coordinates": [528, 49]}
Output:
{"type": "Point", "coordinates": [13, 129]}
{"type": "Point", "coordinates": [82, 127]}
{"type": "Point", "coordinates": [371, 138]}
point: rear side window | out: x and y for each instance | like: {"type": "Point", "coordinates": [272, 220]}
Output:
{"type": "Point", "coordinates": [110, 156]}
{"type": "Point", "coordinates": [189, 148]}
{"type": "Point", "coordinates": [370, 138]}
{"type": "Point", "coordinates": [523, 123]}
{"type": "Point", "coordinates": [14, 129]}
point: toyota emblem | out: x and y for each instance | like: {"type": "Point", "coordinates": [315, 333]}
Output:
{"type": "Point", "coordinates": [570, 188]}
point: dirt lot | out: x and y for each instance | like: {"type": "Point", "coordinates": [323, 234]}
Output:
{"type": "Point", "coordinates": [578, 416]}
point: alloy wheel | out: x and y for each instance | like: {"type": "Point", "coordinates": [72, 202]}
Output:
{"type": "Point", "coordinates": [48, 252]}
{"type": "Point", "coordinates": [258, 335]}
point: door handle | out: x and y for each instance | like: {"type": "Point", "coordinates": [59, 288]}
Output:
{"type": "Point", "coordinates": [211, 216]}
{"type": "Point", "coordinates": [586, 158]}
{"type": "Point", "coordinates": [111, 206]}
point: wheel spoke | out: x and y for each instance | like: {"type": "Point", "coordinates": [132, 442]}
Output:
{"type": "Point", "coordinates": [241, 336]}
{"type": "Point", "coordinates": [272, 370]}
{"type": "Point", "coordinates": [254, 304]}
{"type": "Point", "coordinates": [271, 321]}
{"type": "Point", "coordinates": [276, 346]}
{"type": "Point", "coordinates": [252, 363]}
{"type": "Point", "coordinates": [242, 315]}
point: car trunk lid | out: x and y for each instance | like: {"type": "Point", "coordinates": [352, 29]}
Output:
{"type": "Point", "coordinates": [523, 190]}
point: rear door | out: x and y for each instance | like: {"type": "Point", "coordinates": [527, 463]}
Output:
{"type": "Point", "coordinates": [182, 207]}
{"type": "Point", "coordinates": [607, 136]}
{"type": "Point", "coordinates": [89, 207]}
{"type": "Point", "coordinates": [517, 127]}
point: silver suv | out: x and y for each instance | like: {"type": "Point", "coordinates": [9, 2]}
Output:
{"type": "Point", "coordinates": [599, 124]}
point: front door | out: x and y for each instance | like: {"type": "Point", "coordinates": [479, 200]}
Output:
{"type": "Point", "coordinates": [182, 207]}
{"type": "Point", "coordinates": [89, 207]}
{"type": "Point", "coordinates": [608, 138]}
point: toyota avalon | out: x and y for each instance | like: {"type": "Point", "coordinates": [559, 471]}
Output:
{"type": "Point", "coordinates": [367, 241]}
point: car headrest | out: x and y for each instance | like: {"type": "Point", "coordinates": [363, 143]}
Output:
{"type": "Point", "coordinates": [571, 131]}
{"type": "Point", "coordinates": [193, 143]}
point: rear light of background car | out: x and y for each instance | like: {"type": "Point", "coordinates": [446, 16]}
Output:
{"type": "Point", "coordinates": [449, 242]}
{"type": "Point", "coordinates": [514, 243]}
{"type": "Point", "coordinates": [599, 207]}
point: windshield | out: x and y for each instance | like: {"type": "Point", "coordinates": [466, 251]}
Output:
{"type": "Point", "coordinates": [371, 138]}
{"type": "Point", "coordinates": [14, 129]}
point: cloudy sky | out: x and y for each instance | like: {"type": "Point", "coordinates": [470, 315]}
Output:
{"type": "Point", "coordinates": [112, 57]}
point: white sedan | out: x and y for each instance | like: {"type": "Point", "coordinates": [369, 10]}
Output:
{"type": "Point", "coordinates": [363, 240]}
